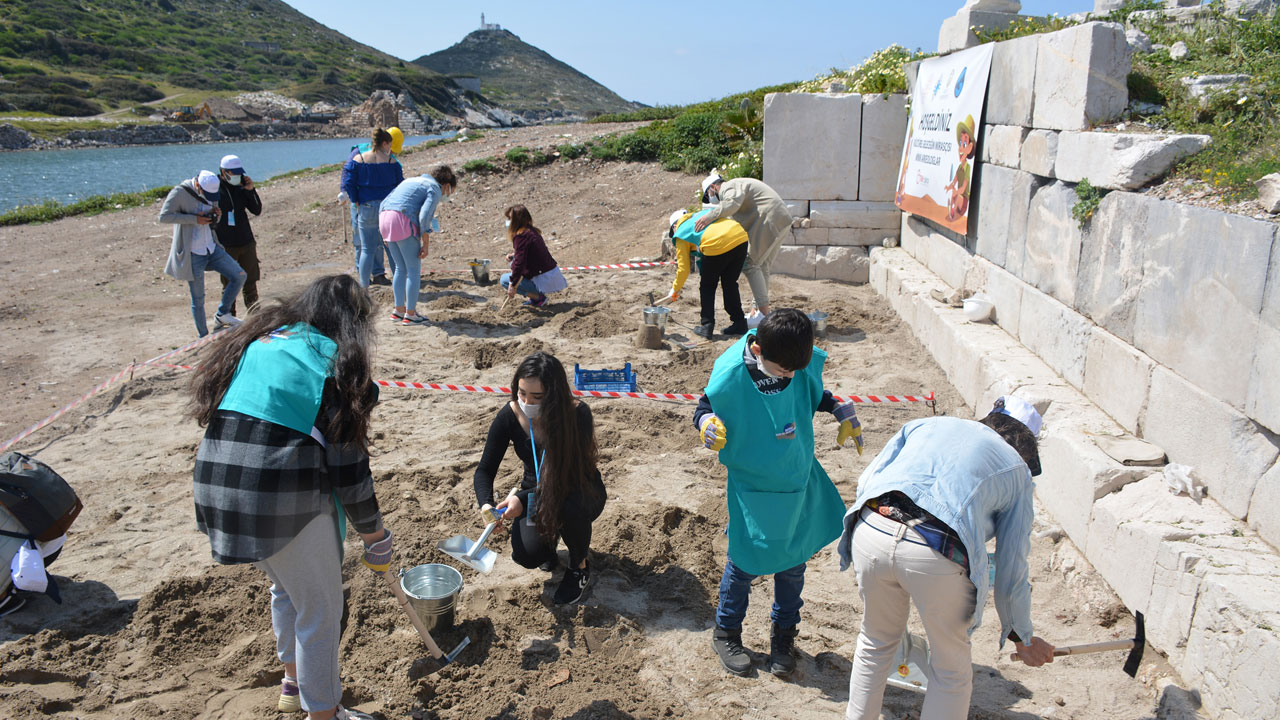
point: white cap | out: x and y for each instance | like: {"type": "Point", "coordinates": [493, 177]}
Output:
{"type": "Point", "coordinates": [208, 181]}
{"type": "Point", "coordinates": [711, 179]}
{"type": "Point", "coordinates": [676, 216]}
{"type": "Point", "coordinates": [231, 162]}
{"type": "Point", "coordinates": [1020, 410]}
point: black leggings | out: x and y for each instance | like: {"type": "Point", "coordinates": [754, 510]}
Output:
{"type": "Point", "coordinates": [577, 513]}
{"type": "Point", "coordinates": [723, 269]}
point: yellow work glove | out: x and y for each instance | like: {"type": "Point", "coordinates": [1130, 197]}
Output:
{"type": "Point", "coordinates": [849, 425]}
{"type": "Point", "coordinates": [377, 557]}
{"type": "Point", "coordinates": [712, 433]}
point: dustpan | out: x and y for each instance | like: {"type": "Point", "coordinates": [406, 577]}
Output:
{"type": "Point", "coordinates": [473, 554]}
{"type": "Point", "coordinates": [909, 664]}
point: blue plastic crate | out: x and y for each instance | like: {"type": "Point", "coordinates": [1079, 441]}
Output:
{"type": "Point", "coordinates": [606, 380]}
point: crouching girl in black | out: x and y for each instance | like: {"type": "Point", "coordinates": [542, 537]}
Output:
{"type": "Point", "coordinates": [561, 492]}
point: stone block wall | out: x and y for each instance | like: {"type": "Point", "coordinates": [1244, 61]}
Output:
{"type": "Point", "coordinates": [834, 158]}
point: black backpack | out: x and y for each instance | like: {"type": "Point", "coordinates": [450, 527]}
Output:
{"type": "Point", "coordinates": [37, 497]}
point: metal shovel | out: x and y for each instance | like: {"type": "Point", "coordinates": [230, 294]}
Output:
{"type": "Point", "coordinates": [432, 647]}
{"type": "Point", "coordinates": [474, 554]}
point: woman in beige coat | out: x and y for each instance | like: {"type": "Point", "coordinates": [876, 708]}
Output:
{"type": "Point", "coordinates": [761, 212]}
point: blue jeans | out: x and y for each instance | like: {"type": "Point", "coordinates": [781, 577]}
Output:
{"type": "Point", "coordinates": [222, 263]}
{"type": "Point", "coordinates": [368, 242]}
{"type": "Point", "coordinates": [735, 591]}
{"type": "Point", "coordinates": [407, 280]}
{"type": "Point", "coordinates": [526, 286]}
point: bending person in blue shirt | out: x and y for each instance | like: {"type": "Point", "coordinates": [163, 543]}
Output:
{"type": "Point", "coordinates": [917, 532]}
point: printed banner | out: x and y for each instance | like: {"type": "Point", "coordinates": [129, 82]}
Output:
{"type": "Point", "coordinates": [938, 158]}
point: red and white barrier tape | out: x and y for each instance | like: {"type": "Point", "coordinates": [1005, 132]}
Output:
{"type": "Point", "coordinates": [873, 399]}
{"type": "Point", "coordinates": [615, 266]}
{"type": "Point", "coordinates": [98, 389]}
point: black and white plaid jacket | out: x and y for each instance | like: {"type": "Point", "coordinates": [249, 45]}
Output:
{"type": "Point", "coordinates": [257, 484]}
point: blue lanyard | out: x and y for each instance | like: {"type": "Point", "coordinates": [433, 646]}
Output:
{"type": "Point", "coordinates": [537, 464]}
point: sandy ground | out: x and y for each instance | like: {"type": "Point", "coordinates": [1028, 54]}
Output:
{"type": "Point", "coordinates": [151, 628]}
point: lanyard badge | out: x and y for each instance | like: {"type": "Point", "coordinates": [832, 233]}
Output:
{"type": "Point", "coordinates": [788, 432]}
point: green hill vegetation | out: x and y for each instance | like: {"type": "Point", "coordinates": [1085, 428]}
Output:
{"type": "Point", "coordinates": [84, 57]}
{"type": "Point", "coordinates": [522, 78]}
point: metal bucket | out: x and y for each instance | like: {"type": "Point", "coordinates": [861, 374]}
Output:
{"type": "Point", "coordinates": [433, 592]}
{"type": "Point", "coordinates": [480, 271]}
{"type": "Point", "coordinates": [656, 316]}
{"type": "Point", "coordinates": [819, 320]}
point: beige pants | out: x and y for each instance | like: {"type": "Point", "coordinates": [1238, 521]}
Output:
{"type": "Point", "coordinates": [895, 567]}
{"type": "Point", "coordinates": [759, 260]}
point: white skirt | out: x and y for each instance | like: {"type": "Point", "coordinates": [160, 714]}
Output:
{"type": "Point", "coordinates": [551, 281]}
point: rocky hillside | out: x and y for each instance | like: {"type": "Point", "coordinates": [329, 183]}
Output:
{"type": "Point", "coordinates": [524, 79]}
{"type": "Point", "coordinates": [75, 57]}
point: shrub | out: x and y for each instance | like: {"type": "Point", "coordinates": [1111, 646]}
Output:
{"type": "Point", "coordinates": [572, 151]}
{"type": "Point", "coordinates": [479, 165]}
{"type": "Point", "coordinates": [880, 73]}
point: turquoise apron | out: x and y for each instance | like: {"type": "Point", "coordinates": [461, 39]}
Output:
{"type": "Point", "coordinates": [783, 507]}
{"type": "Point", "coordinates": [288, 369]}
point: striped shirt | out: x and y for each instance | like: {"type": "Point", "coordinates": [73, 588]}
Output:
{"type": "Point", "coordinates": [257, 484]}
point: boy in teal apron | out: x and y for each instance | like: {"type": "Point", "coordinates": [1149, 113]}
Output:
{"type": "Point", "coordinates": [758, 413]}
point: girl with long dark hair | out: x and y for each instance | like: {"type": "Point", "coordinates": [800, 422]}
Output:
{"type": "Point", "coordinates": [561, 492]}
{"type": "Point", "coordinates": [533, 271]}
{"type": "Point", "coordinates": [286, 399]}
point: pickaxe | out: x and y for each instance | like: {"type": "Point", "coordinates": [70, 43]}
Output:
{"type": "Point", "coordinates": [1134, 646]}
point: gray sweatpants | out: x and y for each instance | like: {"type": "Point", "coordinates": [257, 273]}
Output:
{"type": "Point", "coordinates": [306, 610]}
{"type": "Point", "coordinates": [760, 257]}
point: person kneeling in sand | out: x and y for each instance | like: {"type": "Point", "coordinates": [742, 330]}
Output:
{"type": "Point", "coordinates": [926, 507]}
{"type": "Point", "coordinates": [562, 492]}
{"type": "Point", "coordinates": [533, 271]}
{"type": "Point", "coordinates": [286, 399]}
{"type": "Point", "coordinates": [758, 413]}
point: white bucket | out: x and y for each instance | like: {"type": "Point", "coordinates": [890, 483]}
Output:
{"type": "Point", "coordinates": [433, 591]}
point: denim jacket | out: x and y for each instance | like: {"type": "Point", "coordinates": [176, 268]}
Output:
{"type": "Point", "coordinates": [968, 477]}
{"type": "Point", "coordinates": [417, 198]}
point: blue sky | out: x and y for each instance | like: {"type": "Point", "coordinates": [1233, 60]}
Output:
{"type": "Point", "coordinates": [661, 52]}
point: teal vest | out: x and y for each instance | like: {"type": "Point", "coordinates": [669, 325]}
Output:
{"type": "Point", "coordinates": [783, 507]}
{"type": "Point", "coordinates": [685, 231]}
{"type": "Point", "coordinates": [281, 377]}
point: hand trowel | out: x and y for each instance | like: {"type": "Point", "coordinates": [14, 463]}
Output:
{"type": "Point", "coordinates": [474, 554]}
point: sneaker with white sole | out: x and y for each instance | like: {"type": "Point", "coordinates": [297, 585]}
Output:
{"type": "Point", "coordinates": [573, 586]}
{"type": "Point", "coordinates": [414, 319]}
{"type": "Point", "coordinates": [290, 698]}
{"type": "Point", "coordinates": [345, 714]}
{"type": "Point", "coordinates": [11, 603]}
{"type": "Point", "coordinates": [227, 321]}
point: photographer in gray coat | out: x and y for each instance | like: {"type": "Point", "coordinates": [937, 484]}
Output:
{"type": "Point", "coordinates": [192, 208]}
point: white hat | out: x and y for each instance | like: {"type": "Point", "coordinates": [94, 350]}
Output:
{"type": "Point", "coordinates": [208, 181]}
{"type": "Point", "coordinates": [231, 162]}
{"type": "Point", "coordinates": [1020, 410]}
{"type": "Point", "coordinates": [675, 216]}
{"type": "Point", "coordinates": [711, 179]}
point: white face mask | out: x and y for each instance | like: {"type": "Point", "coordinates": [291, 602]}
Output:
{"type": "Point", "coordinates": [530, 411]}
{"type": "Point", "coordinates": [506, 223]}
{"type": "Point", "coordinates": [232, 179]}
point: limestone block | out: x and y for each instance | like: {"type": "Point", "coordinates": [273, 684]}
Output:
{"type": "Point", "coordinates": [794, 260]}
{"type": "Point", "coordinates": [879, 274]}
{"type": "Point", "coordinates": [1204, 87]}
{"type": "Point", "coordinates": [1040, 153]}
{"type": "Point", "coordinates": [948, 260]}
{"type": "Point", "coordinates": [1121, 161]}
{"type": "Point", "coordinates": [860, 237]}
{"type": "Point", "coordinates": [1000, 215]}
{"type": "Point", "coordinates": [1225, 448]}
{"type": "Point", "coordinates": [1264, 510]}
{"type": "Point", "coordinates": [1002, 144]}
{"type": "Point", "coordinates": [855, 214]}
{"type": "Point", "coordinates": [1055, 332]}
{"type": "Point", "coordinates": [956, 34]}
{"type": "Point", "coordinates": [1180, 283]}
{"type": "Point", "coordinates": [810, 236]}
{"type": "Point", "coordinates": [797, 208]}
{"type": "Point", "coordinates": [1138, 41]}
{"type": "Point", "coordinates": [1269, 192]}
{"type": "Point", "coordinates": [1081, 77]}
{"type": "Point", "coordinates": [1249, 8]}
{"type": "Point", "coordinates": [846, 264]}
{"type": "Point", "coordinates": [1128, 527]}
{"type": "Point", "coordinates": [1117, 377]}
{"type": "Point", "coordinates": [1011, 86]}
{"type": "Point", "coordinates": [913, 234]}
{"type": "Point", "coordinates": [1005, 292]}
{"type": "Point", "coordinates": [1178, 50]}
{"type": "Point", "coordinates": [1233, 637]}
{"type": "Point", "coordinates": [1075, 475]}
{"type": "Point", "coordinates": [1263, 400]}
{"type": "Point", "coordinates": [884, 130]}
{"type": "Point", "coordinates": [1102, 7]}
{"type": "Point", "coordinates": [812, 145]}
{"type": "Point", "coordinates": [1051, 257]}
{"type": "Point", "coordinates": [1001, 6]}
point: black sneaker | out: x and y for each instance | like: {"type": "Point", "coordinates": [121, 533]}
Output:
{"type": "Point", "coordinates": [379, 280]}
{"type": "Point", "coordinates": [550, 565]}
{"type": "Point", "coordinates": [738, 328]}
{"type": "Point", "coordinates": [11, 604]}
{"type": "Point", "coordinates": [728, 645]}
{"type": "Point", "coordinates": [705, 330]}
{"type": "Point", "coordinates": [573, 586]}
{"type": "Point", "coordinates": [782, 645]}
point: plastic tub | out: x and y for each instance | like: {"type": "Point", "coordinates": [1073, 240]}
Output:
{"type": "Point", "coordinates": [433, 591]}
